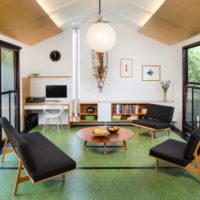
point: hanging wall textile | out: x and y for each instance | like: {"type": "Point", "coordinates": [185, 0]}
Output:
{"type": "Point", "coordinates": [100, 67]}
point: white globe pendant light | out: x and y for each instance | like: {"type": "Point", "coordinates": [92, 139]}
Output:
{"type": "Point", "coordinates": [101, 36]}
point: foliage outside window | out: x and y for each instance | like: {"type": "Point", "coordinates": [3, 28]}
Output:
{"type": "Point", "coordinates": [194, 65]}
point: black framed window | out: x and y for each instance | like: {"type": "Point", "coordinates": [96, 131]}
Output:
{"type": "Point", "coordinates": [9, 85]}
{"type": "Point", "coordinates": [191, 88]}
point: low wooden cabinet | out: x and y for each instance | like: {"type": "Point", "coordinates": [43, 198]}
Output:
{"type": "Point", "coordinates": [88, 112]}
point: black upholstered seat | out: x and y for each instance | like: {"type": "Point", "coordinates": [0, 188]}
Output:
{"type": "Point", "coordinates": [40, 157]}
{"type": "Point", "coordinates": [171, 151]}
{"type": "Point", "coordinates": [45, 159]}
{"type": "Point", "coordinates": [180, 153]}
{"type": "Point", "coordinates": [152, 123]}
{"type": "Point", "coordinates": [158, 118]}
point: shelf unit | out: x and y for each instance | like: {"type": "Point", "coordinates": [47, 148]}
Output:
{"type": "Point", "coordinates": [127, 111]}
{"type": "Point", "coordinates": [84, 115]}
{"type": "Point", "coordinates": [49, 77]}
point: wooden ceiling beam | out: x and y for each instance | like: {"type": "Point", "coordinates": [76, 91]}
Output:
{"type": "Point", "coordinates": [26, 21]}
{"type": "Point", "coordinates": [174, 21]}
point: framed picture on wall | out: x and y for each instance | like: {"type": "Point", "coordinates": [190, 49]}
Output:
{"type": "Point", "coordinates": [126, 68]}
{"type": "Point", "coordinates": [151, 72]}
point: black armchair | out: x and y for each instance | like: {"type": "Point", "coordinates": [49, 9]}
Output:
{"type": "Point", "coordinates": [158, 118]}
{"type": "Point", "coordinates": [186, 155]}
{"type": "Point", "coordinates": [40, 158]}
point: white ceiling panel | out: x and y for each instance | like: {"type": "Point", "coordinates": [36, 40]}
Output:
{"type": "Point", "coordinates": [55, 4]}
{"type": "Point", "coordinates": [65, 11]}
{"type": "Point", "coordinates": [148, 5]}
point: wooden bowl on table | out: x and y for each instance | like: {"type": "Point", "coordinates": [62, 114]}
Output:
{"type": "Point", "coordinates": [113, 129]}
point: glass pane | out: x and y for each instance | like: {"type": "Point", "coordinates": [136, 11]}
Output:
{"type": "Point", "coordinates": [5, 107]}
{"type": "Point", "coordinates": [196, 114]}
{"type": "Point", "coordinates": [189, 107]}
{"type": "Point", "coordinates": [194, 64]}
{"type": "Point", "coordinates": [7, 69]}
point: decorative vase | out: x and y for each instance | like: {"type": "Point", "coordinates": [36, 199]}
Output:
{"type": "Point", "coordinates": [165, 97]}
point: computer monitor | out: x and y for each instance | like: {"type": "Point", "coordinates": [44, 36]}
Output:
{"type": "Point", "coordinates": [56, 91]}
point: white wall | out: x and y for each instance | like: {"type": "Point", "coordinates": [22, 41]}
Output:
{"type": "Point", "coordinates": [143, 51]}
{"type": "Point", "coordinates": [129, 44]}
{"type": "Point", "coordinates": [40, 61]}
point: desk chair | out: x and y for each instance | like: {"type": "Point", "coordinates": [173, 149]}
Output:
{"type": "Point", "coordinates": [54, 112]}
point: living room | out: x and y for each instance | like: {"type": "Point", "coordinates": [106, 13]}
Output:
{"type": "Point", "coordinates": [141, 58]}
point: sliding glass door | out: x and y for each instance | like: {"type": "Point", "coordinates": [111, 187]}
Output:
{"type": "Point", "coordinates": [9, 84]}
{"type": "Point", "coordinates": [191, 88]}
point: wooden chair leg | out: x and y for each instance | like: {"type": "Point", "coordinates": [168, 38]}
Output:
{"type": "Point", "coordinates": [63, 177]}
{"type": "Point", "coordinates": [47, 124]}
{"type": "Point", "coordinates": [4, 150]}
{"type": "Point", "coordinates": [197, 162]}
{"type": "Point", "coordinates": [19, 178]}
{"type": "Point", "coordinates": [58, 125]}
{"type": "Point", "coordinates": [44, 127]}
{"type": "Point", "coordinates": [157, 164]}
{"type": "Point", "coordinates": [152, 135]}
{"type": "Point", "coordinates": [168, 131]}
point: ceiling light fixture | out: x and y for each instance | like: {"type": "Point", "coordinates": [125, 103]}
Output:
{"type": "Point", "coordinates": [100, 36]}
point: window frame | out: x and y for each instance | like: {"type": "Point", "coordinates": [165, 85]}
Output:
{"type": "Point", "coordinates": [185, 83]}
{"type": "Point", "coordinates": [16, 50]}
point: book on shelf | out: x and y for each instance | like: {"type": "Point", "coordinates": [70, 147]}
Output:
{"type": "Point", "coordinates": [125, 109]}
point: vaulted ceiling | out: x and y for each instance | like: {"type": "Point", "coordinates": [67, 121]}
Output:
{"type": "Point", "coordinates": [32, 21]}
{"type": "Point", "coordinates": [72, 12]}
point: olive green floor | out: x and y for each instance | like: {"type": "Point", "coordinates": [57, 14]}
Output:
{"type": "Point", "coordinates": [136, 179]}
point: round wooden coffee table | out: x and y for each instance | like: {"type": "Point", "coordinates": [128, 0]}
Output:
{"type": "Point", "coordinates": [121, 136]}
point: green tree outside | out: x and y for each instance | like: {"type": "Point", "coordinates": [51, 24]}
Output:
{"type": "Point", "coordinates": [194, 65]}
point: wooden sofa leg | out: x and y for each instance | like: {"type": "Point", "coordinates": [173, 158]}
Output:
{"type": "Point", "coordinates": [157, 164]}
{"type": "Point", "coordinates": [6, 150]}
{"type": "Point", "coordinates": [19, 178]}
{"type": "Point", "coordinates": [152, 135]}
{"type": "Point", "coordinates": [168, 132]}
{"type": "Point", "coordinates": [63, 177]}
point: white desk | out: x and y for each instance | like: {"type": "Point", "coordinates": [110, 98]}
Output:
{"type": "Point", "coordinates": [39, 106]}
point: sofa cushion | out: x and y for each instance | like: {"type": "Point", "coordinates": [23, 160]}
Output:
{"type": "Point", "coordinates": [160, 112]}
{"type": "Point", "coordinates": [17, 141]}
{"type": "Point", "coordinates": [152, 123]}
{"type": "Point", "coordinates": [191, 146]}
{"type": "Point", "coordinates": [171, 151]}
{"type": "Point", "coordinates": [47, 159]}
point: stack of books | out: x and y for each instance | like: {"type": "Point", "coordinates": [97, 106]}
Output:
{"type": "Point", "coordinates": [116, 117]}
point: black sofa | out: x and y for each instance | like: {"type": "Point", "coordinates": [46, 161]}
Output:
{"type": "Point", "coordinates": [158, 118]}
{"type": "Point", "coordinates": [40, 158]}
{"type": "Point", "coordinates": [186, 155]}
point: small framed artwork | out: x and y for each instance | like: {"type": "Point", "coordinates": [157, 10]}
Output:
{"type": "Point", "coordinates": [151, 72]}
{"type": "Point", "coordinates": [126, 68]}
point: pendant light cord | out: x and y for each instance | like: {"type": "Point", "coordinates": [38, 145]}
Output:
{"type": "Point", "coordinates": [100, 7]}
